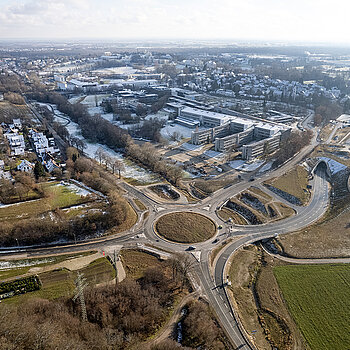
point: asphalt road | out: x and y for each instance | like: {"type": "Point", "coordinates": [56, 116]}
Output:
{"type": "Point", "coordinates": [213, 286]}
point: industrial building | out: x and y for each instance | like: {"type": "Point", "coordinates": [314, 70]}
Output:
{"type": "Point", "coordinates": [229, 132]}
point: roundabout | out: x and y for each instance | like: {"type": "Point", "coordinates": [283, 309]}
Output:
{"type": "Point", "coordinates": [185, 227]}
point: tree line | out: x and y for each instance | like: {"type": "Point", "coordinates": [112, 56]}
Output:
{"type": "Point", "coordinates": [97, 129]}
{"type": "Point", "coordinates": [291, 146]}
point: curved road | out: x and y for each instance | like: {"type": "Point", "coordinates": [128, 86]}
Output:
{"type": "Point", "coordinates": [213, 286]}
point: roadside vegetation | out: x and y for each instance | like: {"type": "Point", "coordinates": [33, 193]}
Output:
{"type": "Point", "coordinates": [259, 303]}
{"type": "Point", "coordinates": [185, 227]}
{"type": "Point", "coordinates": [227, 214]}
{"type": "Point", "coordinates": [326, 239]}
{"type": "Point", "coordinates": [329, 236]}
{"type": "Point", "coordinates": [140, 204]}
{"type": "Point", "coordinates": [13, 268]}
{"type": "Point", "coordinates": [203, 188]}
{"type": "Point", "coordinates": [252, 207]}
{"type": "Point", "coordinates": [317, 297]}
{"type": "Point", "coordinates": [326, 131]}
{"type": "Point", "coordinates": [291, 146]}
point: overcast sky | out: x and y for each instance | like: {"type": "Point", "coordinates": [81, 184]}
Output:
{"type": "Point", "coordinates": [296, 20]}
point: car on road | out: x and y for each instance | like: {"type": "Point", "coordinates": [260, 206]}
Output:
{"type": "Point", "coordinates": [191, 247]}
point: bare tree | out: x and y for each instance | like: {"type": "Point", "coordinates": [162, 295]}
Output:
{"type": "Point", "coordinates": [181, 265]}
{"type": "Point", "coordinates": [117, 165]}
{"type": "Point", "coordinates": [81, 145]}
{"type": "Point", "coordinates": [100, 155]}
{"type": "Point", "coordinates": [107, 160]}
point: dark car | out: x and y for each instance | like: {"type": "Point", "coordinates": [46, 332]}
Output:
{"type": "Point", "coordinates": [191, 247]}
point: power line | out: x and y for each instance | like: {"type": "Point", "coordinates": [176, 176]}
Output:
{"type": "Point", "coordinates": [80, 284]}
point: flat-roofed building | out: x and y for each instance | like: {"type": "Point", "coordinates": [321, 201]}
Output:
{"type": "Point", "coordinates": [206, 118]}
{"type": "Point", "coordinates": [265, 130]}
{"type": "Point", "coordinates": [258, 148]}
{"type": "Point", "coordinates": [228, 132]}
{"type": "Point", "coordinates": [187, 122]}
{"type": "Point", "coordinates": [229, 142]}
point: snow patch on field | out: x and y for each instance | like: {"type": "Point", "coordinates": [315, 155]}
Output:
{"type": "Point", "coordinates": [6, 265]}
{"type": "Point", "coordinates": [74, 100]}
{"type": "Point", "coordinates": [213, 154]}
{"type": "Point", "coordinates": [242, 165]}
{"type": "Point", "coordinates": [91, 100]}
{"type": "Point", "coordinates": [76, 189]}
{"type": "Point", "coordinates": [265, 167]}
{"type": "Point", "coordinates": [235, 164]}
{"type": "Point", "coordinates": [169, 130]}
{"type": "Point", "coordinates": [131, 170]}
{"type": "Point", "coordinates": [191, 147]}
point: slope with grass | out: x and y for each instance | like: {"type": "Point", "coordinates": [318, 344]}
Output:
{"type": "Point", "coordinates": [330, 238]}
{"type": "Point", "coordinates": [294, 183]}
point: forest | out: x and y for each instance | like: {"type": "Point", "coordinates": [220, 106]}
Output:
{"type": "Point", "coordinates": [120, 316]}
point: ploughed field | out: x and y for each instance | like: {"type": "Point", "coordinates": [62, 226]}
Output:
{"type": "Point", "coordinates": [318, 299]}
{"type": "Point", "coordinates": [185, 227]}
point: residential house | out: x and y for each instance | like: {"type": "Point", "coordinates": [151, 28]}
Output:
{"type": "Point", "coordinates": [25, 166]}
{"type": "Point", "coordinates": [16, 142]}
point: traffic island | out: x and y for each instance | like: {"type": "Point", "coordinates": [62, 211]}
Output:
{"type": "Point", "coordinates": [185, 227]}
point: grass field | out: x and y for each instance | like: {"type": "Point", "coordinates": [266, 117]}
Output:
{"type": "Point", "coordinates": [136, 262]}
{"type": "Point", "coordinates": [294, 182]}
{"type": "Point", "coordinates": [185, 227]}
{"type": "Point", "coordinates": [259, 302]}
{"type": "Point", "coordinates": [284, 210]}
{"type": "Point", "coordinates": [130, 221]}
{"type": "Point", "coordinates": [57, 197]}
{"type": "Point", "coordinates": [261, 194]}
{"type": "Point", "coordinates": [212, 185]}
{"type": "Point", "coordinates": [326, 131]}
{"type": "Point", "coordinates": [318, 299]}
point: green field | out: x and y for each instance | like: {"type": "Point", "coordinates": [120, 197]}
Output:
{"type": "Point", "coordinates": [58, 196]}
{"type": "Point", "coordinates": [318, 299]}
{"type": "Point", "coordinates": [60, 282]}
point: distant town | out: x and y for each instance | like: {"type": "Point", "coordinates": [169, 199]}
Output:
{"type": "Point", "coordinates": [172, 195]}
